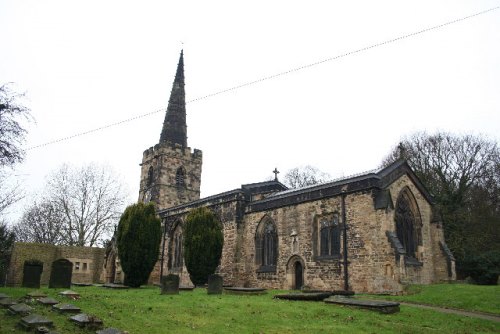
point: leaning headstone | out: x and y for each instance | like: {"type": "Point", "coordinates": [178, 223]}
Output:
{"type": "Point", "coordinates": [109, 331]}
{"type": "Point", "coordinates": [214, 284]}
{"type": "Point", "coordinates": [170, 284]}
{"type": "Point", "coordinates": [60, 275]}
{"type": "Point", "coordinates": [7, 302]}
{"type": "Point", "coordinates": [20, 308]}
{"type": "Point", "coordinates": [88, 321]}
{"type": "Point", "coordinates": [32, 272]}
{"type": "Point", "coordinates": [48, 301]}
{"type": "Point", "coordinates": [66, 308]}
{"type": "Point", "coordinates": [34, 321]}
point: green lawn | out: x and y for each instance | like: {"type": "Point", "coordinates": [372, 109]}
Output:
{"type": "Point", "coordinates": [144, 310]}
{"type": "Point", "coordinates": [482, 298]}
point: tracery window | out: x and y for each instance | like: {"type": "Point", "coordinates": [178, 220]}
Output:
{"type": "Point", "coordinates": [266, 245]}
{"type": "Point", "coordinates": [330, 236]}
{"type": "Point", "coordinates": [180, 177]}
{"type": "Point", "coordinates": [408, 223]}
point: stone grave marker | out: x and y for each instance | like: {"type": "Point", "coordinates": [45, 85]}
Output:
{"type": "Point", "coordinates": [20, 308]}
{"type": "Point", "coordinates": [374, 305]}
{"type": "Point", "coordinates": [244, 291]}
{"type": "Point", "coordinates": [109, 331]}
{"type": "Point", "coordinates": [170, 284]}
{"type": "Point", "coordinates": [36, 295]}
{"type": "Point", "coordinates": [70, 294]}
{"type": "Point", "coordinates": [3, 295]}
{"type": "Point", "coordinates": [88, 321]}
{"type": "Point", "coordinates": [33, 321]}
{"type": "Point", "coordinates": [310, 296]}
{"type": "Point", "coordinates": [214, 284]}
{"type": "Point", "coordinates": [7, 302]}
{"type": "Point", "coordinates": [66, 308]}
{"type": "Point", "coordinates": [32, 273]}
{"type": "Point", "coordinates": [48, 301]}
{"type": "Point", "coordinates": [60, 275]}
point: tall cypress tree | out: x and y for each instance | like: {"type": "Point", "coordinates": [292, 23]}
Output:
{"type": "Point", "coordinates": [139, 236]}
{"type": "Point", "coordinates": [203, 241]}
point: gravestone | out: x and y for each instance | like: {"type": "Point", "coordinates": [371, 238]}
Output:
{"type": "Point", "coordinates": [66, 308]}
{"type": "Point", "coordinates": [374, 305]}
{"type": "Point", "coordinates": [32, 273]}
{"type": "Point", "coordinates": [21, 308]}
{"type": "Point", "coordinates": [312, 296]}
{"type": "Point", "coordinates": [70, 294]}
{"type": "Point", "coordinates": [3, 295]}
{"type": "Point", "coordinates": [60, 275]}
{"type": "Point", "coordinates": [244, 291]}
{"type": "Point", "coordinates": [170, 284]}
{"type": "Point", "coordinates": [34, 320]}
{"type": "Point", "coordinates": [48, 301]}
{"type": "Point", "coordinates": [36, 295]}
{"type": "Point", "coordinates": [7, 302]}
{"type": "Point", "coordinates": [85, 320]}
{"type": "Point", "coordinates": [214, 284]}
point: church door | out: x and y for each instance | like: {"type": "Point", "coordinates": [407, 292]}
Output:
{"type": "Point", "coordinates": [299, 278]}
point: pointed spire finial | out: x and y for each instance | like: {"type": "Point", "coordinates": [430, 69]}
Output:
{"type": "Point", "coordinates": [174, 126]}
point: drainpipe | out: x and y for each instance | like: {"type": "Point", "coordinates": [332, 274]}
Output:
{"type": "Point", "coordinates": [344, 220]}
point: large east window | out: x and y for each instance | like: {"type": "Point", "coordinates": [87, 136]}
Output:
{"type": "Point", "coordinates": [408, 223]}
{"type": "Point", "coordinates": [266, 246]}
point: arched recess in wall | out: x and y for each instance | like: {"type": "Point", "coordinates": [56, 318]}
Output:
{"type": "Point", "coordinates": [151, 177]}
{"type": "Point", "coordinates": [266, 245]}
{"type": "Point", "coordinates": [175, 249]}
{"type": "Point", "coordinates": [408, 222]}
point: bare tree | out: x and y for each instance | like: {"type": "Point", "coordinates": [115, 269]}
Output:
{"type": "Point", "coordinates": [299, 177]}
{"type": "Point", "coordinates": [9, 193]}
{"type": "Point", "coordinates": [41, 222]}
{"type": "Point", "coordinates": [12, 133]}
{"type": "Point", "coordinates": [80, 207]}
{"type": "Point", "coordinates": [462, 172]}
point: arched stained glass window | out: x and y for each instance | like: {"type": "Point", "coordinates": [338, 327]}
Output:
{"type": "Point", "coordinates": [266, 245]}
{"type": "Point", "coordinates": [408, 222]}
{"type": "Point", "coordinates": [330, 236]}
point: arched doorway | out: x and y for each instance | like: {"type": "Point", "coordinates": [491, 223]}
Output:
{"type": "Point", "coordinates": [295, 269]}
{"type": "Point", "coordinates": [299, 275]}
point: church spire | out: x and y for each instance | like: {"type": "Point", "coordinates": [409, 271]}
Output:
{"type": "Point", "coordinates": [174, 126]}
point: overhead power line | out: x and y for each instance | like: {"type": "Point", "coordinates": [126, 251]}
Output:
{"type": "Point", "coordinates": [273, 76]}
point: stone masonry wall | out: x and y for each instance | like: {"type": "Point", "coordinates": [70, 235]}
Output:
{"type": "Point", "coordinates": [90, 261]}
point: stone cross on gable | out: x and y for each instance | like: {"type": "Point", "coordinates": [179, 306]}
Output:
{"type": "Point", "coordinates": [276, 172]}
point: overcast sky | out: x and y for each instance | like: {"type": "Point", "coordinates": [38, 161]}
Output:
{"type": "Point", "coordinates": [87, 64]}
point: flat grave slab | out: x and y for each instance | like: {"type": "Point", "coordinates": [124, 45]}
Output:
{"type": "Point", "coordinates": [374, 305]}
{"type": "Point", "coordinates": [82, 284]}
{"type": "Point", "coordinates": [110, 330]}
{"type": "Point", "coordinates": [70, 294]}
{"type": "Point", "coordinates": [311, 296]}
{"type": "Point", "coordinates": [34, 320]}
{"type": "Point", "coordinates": [66, 308]}
{"type": "Point", "coordinates": [85, 320]}
{"type": "Point", "coordinates": [48, 301]}
{"type": "Point", "coordinates": [244, 291]}
{"type": "Point", "coordinates": [7, 302]}
{"type": "Point", "coordinates": [20, 308]}
{"type": "Point", "coordinates": [114, 286]}
{"type": "Point", "coordinates": [36, 294]}
{"type": "Point", "coordinates": [3, 295]}
{"type": "Point", "coordinates": [346, 293]}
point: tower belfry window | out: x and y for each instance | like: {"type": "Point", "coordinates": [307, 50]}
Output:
{"type": "Point", "coordinates": [180, 178]}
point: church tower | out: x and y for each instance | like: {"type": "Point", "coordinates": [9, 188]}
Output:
{"type": "Point", "coordinates": [170, 172]}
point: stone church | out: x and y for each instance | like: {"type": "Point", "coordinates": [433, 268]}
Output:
{"type": "Point", "coordinates": [372, 232]}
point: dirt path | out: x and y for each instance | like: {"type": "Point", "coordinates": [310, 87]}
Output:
{"type": "Point", "coordinates": [471, 314]}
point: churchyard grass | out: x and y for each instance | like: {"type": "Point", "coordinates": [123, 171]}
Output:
{"type": "Point", "coordinates": [145, 311]}
{"type": "Point", "coordinates": [481, 298]}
